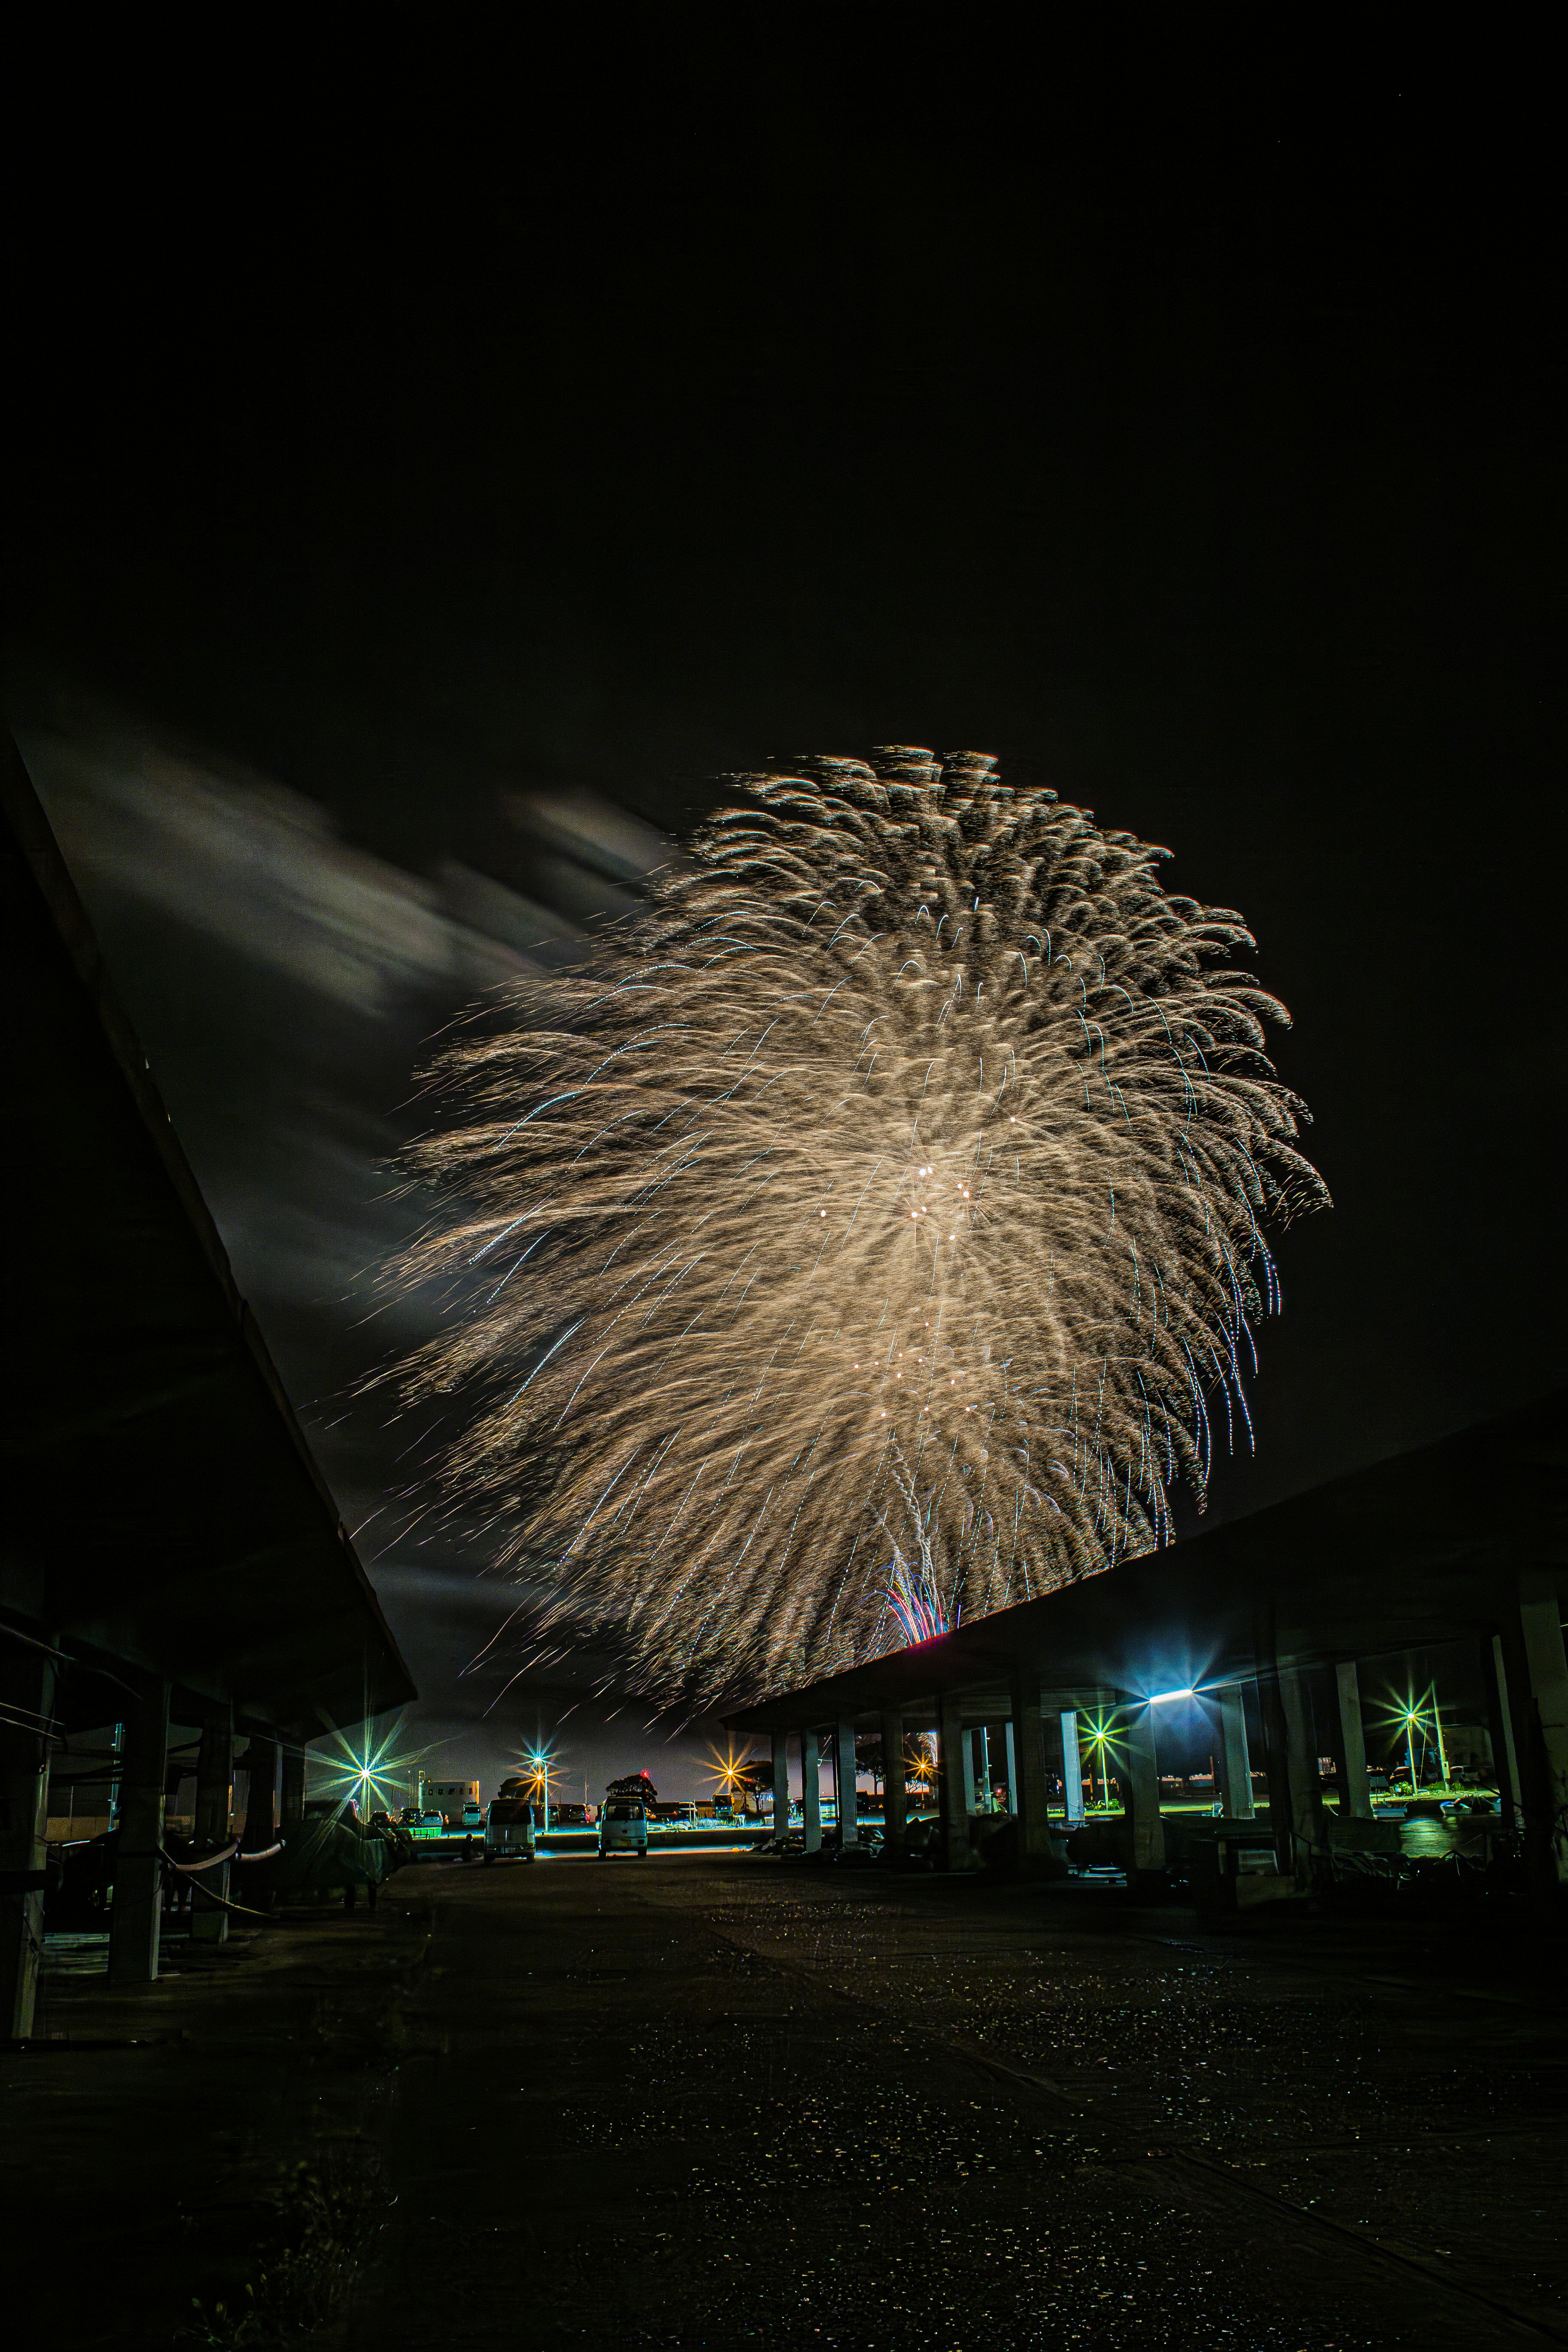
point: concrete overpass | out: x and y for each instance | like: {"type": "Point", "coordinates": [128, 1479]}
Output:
{"type": "Point", "coordinates": [1464, 1541]}
{"type": "Point", "coordinates": [169, 1549]}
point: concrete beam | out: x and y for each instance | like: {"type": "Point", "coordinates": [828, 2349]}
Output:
{"type": "Point", "coordinates": [895, 1802]}
{"type": "Point", "coordinates": [135, 1923]}
{"type": "Point", "coordinates": [811, 1790]}
{"type": "Point", "coordinates": [843, 1783]}
{"type": "Point", "coordinates": [1356, 1793]}
{"type": "Point", "coordinates": [214, 1801]}
{"type": "Point", "coordinates": [28, 1678]}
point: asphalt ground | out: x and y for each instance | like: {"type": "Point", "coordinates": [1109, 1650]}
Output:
{"type": "Point", "coordinates": [719, 2101]}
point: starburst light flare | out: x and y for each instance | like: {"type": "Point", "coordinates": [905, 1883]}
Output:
{"type": "Point", "coordinates": [861, 1240]}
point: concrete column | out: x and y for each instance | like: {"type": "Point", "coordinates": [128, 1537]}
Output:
{"type": "Point", "coordinates": [1356, 1796]}
{"type": "Point", "coordinates": [955, 1844]}
{"type": "Point", "coordinates": [1012, 1769]}
{"type": "Point", "coordinates": [1306, 1785]}
{"type": "Point", "coordinates": [1139, 1764]}
{"type": "Point", "coordinates": [811, 1790]}
{"type": "Point", "coordinates": [843, 1783]}
{"type": "Point", "coordinates": [260, 1796]}
{"type": "Point", "coordinates": [966, 1749]}
{"type": "Point", "coordinates": [1500, 1721]}
{"type": "Point", "coordinates": [895, 1804]}
{"type": "Point", "coordinates": [1233, 1762]}
{"type": "Point", "coordinates": [1028, 1751]}
{"type": "Point", "coordinates": [27, 1683]}
{"type": "Point", "coordinates": [1538, 1677]}
{"type": "Point", "coordinates": [781, 1783]}
{"type": "Point", "coordinates": [1072, 1765]}
{"type": "Point", "coordinates": [291, 1791]}
{"type": "Point", "coordinates": [215, 1797]}
{"type": "Point", "coordinates": [983, 1767]}
{"type": "Point", "coordinates": [135, 1921]}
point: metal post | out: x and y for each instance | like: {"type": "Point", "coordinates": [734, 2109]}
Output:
{"type": "Point", "coordinates": [844, 1784]}
{"type": "Point", "coordinates": [1355, 1794]}
{"type": "Point", "coordinates": [215, 1798]}
{"type": "Point", "coordinates": [811, 1790]}
{"type": "Point", "coordinates": [1034, 1844]}
{"type": "Point", "coordinates": [136, 1920]}
{"type": "Point", "coordinates": [1235, 1762]}
{"type": "Point", "coordinates": [781, 1783]}
{"type": "Point", "coordinates": [1072, 1765]}
{"type": "Point", "coordinates": [1012, 1769]}
{"type": "Point", "coordinates": [1146, 1851]}
{"type": "Point", "coordinates": [27, 1682]}
{"type": "Point", "coordinates": [895, 1802]}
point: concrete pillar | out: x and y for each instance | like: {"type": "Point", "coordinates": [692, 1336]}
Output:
{"type": "Point", "coordinates": [1233, 1762]}
{"type": "Point", "coordinates": [956, 1849]}
{"type": "Point", "coordinates": [1012, 1769]}
{"type": "Point", "coordinates": [260, 1796]}
{"type": "Point", "coordinates": [1140, 1767]}
{"type": "Point", "coordinates": [895, 1804]}
{"type": "Point", "coordinates": [1355, 1795]}
{"type": "Point", "coordinates": [966, 1749]}
{"type": "Point", "coordinates": [215, 1798]}
{"type": "Point", "coordinates": [981, 1741]}
{"type": "Point", "coordinates": [781, 1783]}
{"type": "Point", "coordinates": [291, 1791]}
{"type": "Point", "coordinates": [1538, 1679]}
{"type": "Point", "coordinates": [1028, 1754]}
{"type": "Point", "coordinates": [811, 1790]}
{"type": "Point", "coordinates": [135, 1922]}
{"type": "Point", "coordinates": [1500, 1722]}
{"type": "Point", "coordinates": [1307, 1817]}
{"type": "Point", "coordinates": [843, 1783]}
{"type": "Point", "coordinates": [1072, 1765]}
{"type": "Point", "coordinates": [27, 1683]}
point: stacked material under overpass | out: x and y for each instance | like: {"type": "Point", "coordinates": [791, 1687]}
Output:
{"type": "Point", "coordinates": [170, 1552]}
{"type": "Point", "coordinates": [1461, 1542]}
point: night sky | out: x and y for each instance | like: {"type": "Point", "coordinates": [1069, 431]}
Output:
{"type": "Point", "coordinates": [439, 465]}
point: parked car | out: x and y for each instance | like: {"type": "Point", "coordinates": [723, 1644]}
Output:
{"type": "Point", "coordinates": [508, 1831]}
{"type": "Point", "coordinates": [623, 1828]}
{"type": "Point", "coordinates": [473, 1816]}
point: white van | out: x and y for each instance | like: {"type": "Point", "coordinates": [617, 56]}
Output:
{"type": "Point", "coordinates": [623, 1827]}
{"type": "Point", "coordinates": [508, 1831]}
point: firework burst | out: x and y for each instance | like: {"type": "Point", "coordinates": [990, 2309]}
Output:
{"type": "Point", "coordinates": [865, 1238]}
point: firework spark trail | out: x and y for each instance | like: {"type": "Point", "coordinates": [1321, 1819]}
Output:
{"type": "Point", "coordinates": [893, 1188]}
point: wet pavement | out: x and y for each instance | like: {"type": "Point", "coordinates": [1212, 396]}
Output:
{"type": "Point", "coordinates": [720, 2101]}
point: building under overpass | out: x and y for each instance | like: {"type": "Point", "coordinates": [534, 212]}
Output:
{"type": "Point", "coordinates": [1461, 1542]}
{"type": "Point", "coordinates": [170, 1552]}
